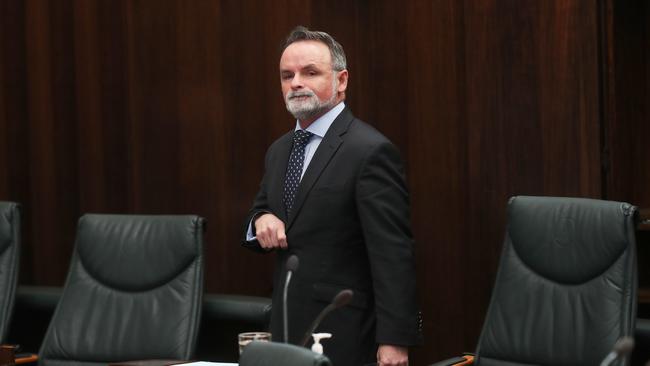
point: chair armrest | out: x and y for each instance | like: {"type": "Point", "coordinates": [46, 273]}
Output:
{"type": "Point", "coordinates": [456, 361]}
{"type": "Point", "coordinates": [225, 316]}
{"type": "Point", "coordinates": [641, 352]}
{"type": "Point", "coordinates": [239, 308]}
{"type": "Point", "coordinates": [32, 314]}
{"type": "Point", "coordinates": [642, 332]}
{"type": "Point", "coordinates": [25, 358]}
{"type": "Point", "coordinates": [39, 297]}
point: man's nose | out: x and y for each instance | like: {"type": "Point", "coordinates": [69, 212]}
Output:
{"type": "Point", "coordinates": [296, 82]}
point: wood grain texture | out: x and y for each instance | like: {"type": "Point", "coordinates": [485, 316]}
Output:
{"type": "Point", "coordinates": [154, 107]}
{"type": "Point", "coordinates": [627, 122]}
{"type": "Point", "coordinates": [505, 103]}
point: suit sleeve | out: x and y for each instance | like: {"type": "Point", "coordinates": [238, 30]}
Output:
{"type": "Point", "coordinates": [260, 205]}
{"type": "Point", "coordinates": [384, 211]}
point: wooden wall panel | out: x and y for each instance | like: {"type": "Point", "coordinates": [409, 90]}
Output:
{"type": "Point", "coordinates": [627, 103]}
{"type": "Point", "coordinates": [103, 140]}
{"type": "Point", "coordinates": [503, 100]}
{"type": "Point", "coordinates": [51, 135]}
{"type": "Point", "coordinates": [13, 95]}
{"type": "Point", "coordinates": [14, 141]}
{"type": "Point", "coordinates": [168, 107]}
{"type": "Point", "coordinates": [437, 155]}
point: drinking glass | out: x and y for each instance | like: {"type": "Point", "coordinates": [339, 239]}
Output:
{"type": "Point", "coordinates": [248, 337]}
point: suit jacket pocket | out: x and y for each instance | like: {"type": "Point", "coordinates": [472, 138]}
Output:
{"type": "Point", "coordinates": [328, 189]}
{"type": "Point", "coordinates": [326, 292]}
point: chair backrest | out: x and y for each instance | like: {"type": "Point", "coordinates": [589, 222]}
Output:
{"type": "Point", "coordinates": [133, 291]}
{"type": "Point", "coordinates": [9, 260]}
{"type": "Point", "coordinates": [275, 354]}
{"type": "Point", "coordinates": [565, 290]}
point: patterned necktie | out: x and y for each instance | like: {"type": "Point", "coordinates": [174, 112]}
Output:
{"type": "Point", "coordinates": [294, 169]}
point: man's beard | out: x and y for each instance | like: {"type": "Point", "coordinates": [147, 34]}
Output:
{"type": "Point", "coordinates": [311, 106]}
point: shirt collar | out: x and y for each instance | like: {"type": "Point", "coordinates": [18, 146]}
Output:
{"type": "Point", "coordinates": [320, 126]}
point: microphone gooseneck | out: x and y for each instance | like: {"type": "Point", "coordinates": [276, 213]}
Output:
{"type": "Point", "coordinates": [622, 348]}
{"type": "Point", "coordinates": [292, 263]}
{"type": "Point", "coordinates": [291, 266]}
{"type": "Point", "coordinates": [341, 299]}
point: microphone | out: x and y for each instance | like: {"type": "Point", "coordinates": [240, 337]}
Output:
{"type": "Point", "coordinates": [292, 266]}
{"type": "Point", "coordinates": [341, 299]}
{"type": "Point", "coordinates": [622, 348]}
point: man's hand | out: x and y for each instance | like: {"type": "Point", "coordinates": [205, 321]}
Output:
{"type": "Point", "coordinates": [388, 355]}
{"type": "Point", "coordinates": [269, 230]}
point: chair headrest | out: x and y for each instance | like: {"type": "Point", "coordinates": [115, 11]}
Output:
{"type": "Point", "coordinates": [137, 253]}
{"type": "Point", "coordinates": [552, 235]}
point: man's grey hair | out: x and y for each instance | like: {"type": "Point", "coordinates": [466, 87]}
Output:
{"type": "Point", "coordinates": [301, 33]}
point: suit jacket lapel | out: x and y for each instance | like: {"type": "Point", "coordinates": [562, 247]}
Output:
{"type": "Point", "coordinates": [277, 182]}
{"type": "Point", "coordinates": [326, 150]}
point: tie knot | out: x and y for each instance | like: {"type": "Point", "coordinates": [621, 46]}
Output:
{"type": "Point", "coordinates": [300, 137]}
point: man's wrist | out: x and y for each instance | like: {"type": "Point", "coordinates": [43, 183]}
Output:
{"type": "Point", "coordinates": [254, 219]}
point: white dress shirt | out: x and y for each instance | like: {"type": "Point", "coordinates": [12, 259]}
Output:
{"type": "Point", "coordinates": [319, 128]}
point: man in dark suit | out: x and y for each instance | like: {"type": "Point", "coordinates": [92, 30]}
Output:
{"type": "Point", "coordinates": [334, 194]}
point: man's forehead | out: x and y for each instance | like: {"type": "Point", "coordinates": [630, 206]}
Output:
{"type": "Point", "coordinates": [304, 53]}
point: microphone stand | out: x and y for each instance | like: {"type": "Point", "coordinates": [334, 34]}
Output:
{"type": "Point", "coordinates": [341, 299]}
{"type": "Point", "coordinates": [292, 265]}
{"type": "Point", "coordinates": [622, 348]}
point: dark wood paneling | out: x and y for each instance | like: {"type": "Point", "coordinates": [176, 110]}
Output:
{"type": "Point", "coordinates": [502, 100]}
{"type": "Point", "coordinates": [627, 123]}
{"type": "Point", "coordinates": [437, 151]}
{"type": "Point", "coordinates": [14, 133]}
{"type": "Point", "coordinates": [627, 102]}
{"type": "Point", "coordinates": [168, 107]}
{"type": "Point", "coordinates": [102, 102]}
{"type": "Point", "coordinates": [51, 134]}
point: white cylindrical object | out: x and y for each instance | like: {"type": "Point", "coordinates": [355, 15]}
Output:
{"type": "Point", "coordinates": [317, 347]}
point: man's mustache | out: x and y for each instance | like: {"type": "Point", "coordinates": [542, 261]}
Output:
{"type": "Point", "coordinates": [298, 94]}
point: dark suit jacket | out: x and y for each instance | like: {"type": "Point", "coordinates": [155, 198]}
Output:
{"type": "Point", "coordinates": [350, 228]}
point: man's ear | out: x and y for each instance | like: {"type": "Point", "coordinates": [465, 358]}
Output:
{"type": "Point", "coordinates": [342, 77]}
